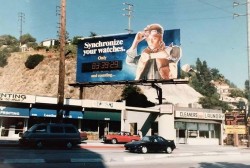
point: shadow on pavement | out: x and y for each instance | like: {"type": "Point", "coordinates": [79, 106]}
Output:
{"type": "Point", "coordinates": [223, 164]}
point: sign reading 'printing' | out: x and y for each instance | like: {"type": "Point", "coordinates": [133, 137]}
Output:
{"type": "Point", "coordinates": [22, 98]}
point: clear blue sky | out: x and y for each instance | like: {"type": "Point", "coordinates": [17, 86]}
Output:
{"type": "Point", "coordinates": [208, 30]}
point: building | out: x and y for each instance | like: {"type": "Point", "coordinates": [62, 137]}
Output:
{"type": "Point", "coordinates": [50, 42]}
{"type": "Point", "coordinates": [18, 112]}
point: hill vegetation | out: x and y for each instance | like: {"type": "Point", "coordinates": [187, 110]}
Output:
{"type": "Point", "coordinates": [36, 72]}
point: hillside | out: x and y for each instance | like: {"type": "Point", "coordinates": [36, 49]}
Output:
{"type": "Point", "coordinates": [43, 81]}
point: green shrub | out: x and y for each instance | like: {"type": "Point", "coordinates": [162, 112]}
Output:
{"type": "Point", "coordinates": [33, 61]}
{"type": "Point", "coordinates": [4, 54]}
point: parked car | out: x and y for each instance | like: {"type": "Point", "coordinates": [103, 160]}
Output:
{"type": "Point", "coordinates": [151, 144]}
{"type": "Point", "coordinates": [51, 134]}
{"type": "Point", "coordinates": [84, 136]}
{"type": "Point", "coordinates": [121, 137]}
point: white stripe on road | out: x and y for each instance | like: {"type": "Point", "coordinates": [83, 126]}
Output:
{"type": "Point", "coordinates": [133, 158]}
{"type": "Point", "coordinates": [11, 161]}
{"type": "Point", "coordinates": [80, 160]}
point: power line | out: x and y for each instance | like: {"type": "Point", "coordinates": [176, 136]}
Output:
{"type": "Point", "coordinates": [58, 10]}
{"type": "Point", "coordinates": [21, 19]}
{"type": "Point", "coordinates": [129, 15]}
{"type": "Point", "coordinates": [209, 4]}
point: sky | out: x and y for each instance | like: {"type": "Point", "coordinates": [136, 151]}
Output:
{"type": "Point", "coordinates": [208, 29]}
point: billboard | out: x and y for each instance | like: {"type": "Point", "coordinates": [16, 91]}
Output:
{"type": "Point", "coordinates": [151, 54]}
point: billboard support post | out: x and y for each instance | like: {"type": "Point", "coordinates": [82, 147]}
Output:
{"type": "Point", "coordinates": [159, 92]}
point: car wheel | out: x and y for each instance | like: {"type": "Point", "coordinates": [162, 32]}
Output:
{"type": "Point", "coordinates": [113, 141]}
{"type": "Point", "coordinates": [39, 144]}
{"type": "Point", "coordinates": [69, 145]}
{"type": "Point", "coordinates": [169, 149]}
{"type": "Point", "coordinates": [144, 149]}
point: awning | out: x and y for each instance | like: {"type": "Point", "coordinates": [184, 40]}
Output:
{"type": "Point", "coordinates": [198, 121]}
{"type": "Point", "coordinates": [35, 112]}
{"type": "Point", "coordinates": [100, 115]}
{"type": "Point", "coordinates": [73, 114]}
{"type": "Point", "coordinates": [14, 112]}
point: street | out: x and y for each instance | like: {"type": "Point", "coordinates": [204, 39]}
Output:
{"type": "Point", "coordinates": [110, 156]}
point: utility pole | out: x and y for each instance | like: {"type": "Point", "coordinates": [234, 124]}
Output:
{"type": "Point", "coordinates": [61, 80]}
{"type": "Point", "coordinates": [129, 15]}
{"type": "Point", "coordinates": [21, 18]}
{"type": "Point", "coordinates": [248, 56]}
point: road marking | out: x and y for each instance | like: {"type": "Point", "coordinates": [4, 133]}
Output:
{"type": "Point", "coordinates": [11, 161]}
{"type": "Point", "coordinates": [183, 154]}
{"type": "Point", "coordinates": [211, 153]}
{"type": "Point", "coordinates": [133, 158]}
{"type": "Point", "coordinates": [80, 160]}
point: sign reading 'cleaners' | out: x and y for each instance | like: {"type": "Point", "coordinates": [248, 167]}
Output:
{"type": "Point", "coordinates": [200, 115]}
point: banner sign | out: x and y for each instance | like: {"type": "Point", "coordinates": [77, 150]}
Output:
{"type": "Point", "coordinates": [111, 59]}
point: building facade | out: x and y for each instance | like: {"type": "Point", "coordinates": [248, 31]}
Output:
{"type": "Point", "coordinates": [18, 112]}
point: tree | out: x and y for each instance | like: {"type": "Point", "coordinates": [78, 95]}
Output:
{"type": "Point", "coordinates": [8, 40]}
{"type": "Point", "coordinates": [134, 97]}
{"type": "Point", "coordinates": [26, 38]}
{"type": "Point", "coordinates": [202, 83]}
{"type": "Point", "coordinates": [236, 93]}
{"type": "Point", "coordinates": [75, 40]}
{"type": "Point", "coordinates": [92, 34]}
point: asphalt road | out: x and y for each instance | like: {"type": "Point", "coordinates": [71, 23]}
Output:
{"type": "Point", "coordinates": [96, 154]}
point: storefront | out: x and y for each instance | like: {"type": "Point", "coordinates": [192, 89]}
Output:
{"type": "Point", "coordinates": [18, 112]}
{"type": "Point", "coordinates": [199, 126]}
{"type": "Point", "coordinates": [13, 121]}
{"type": "Point", "coordinates": [98, 122]}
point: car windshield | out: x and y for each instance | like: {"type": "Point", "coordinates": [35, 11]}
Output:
{"type": "Point", "coordinates": [146, 139]}
{"type": "Point", "coordinates": [32, 128]}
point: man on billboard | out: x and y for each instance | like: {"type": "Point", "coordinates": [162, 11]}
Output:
{"type": "Point", "coordinates": [156, 61]}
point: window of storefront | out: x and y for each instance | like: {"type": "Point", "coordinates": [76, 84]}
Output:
{"type": "Point", "coordinates": [195, 130]}
{"type": "Point", "coordinates": [12, 126]}
{"type": "Point", "coordinates": [90, 125]}
{"type": "Point", "coordinates": [203, 130]}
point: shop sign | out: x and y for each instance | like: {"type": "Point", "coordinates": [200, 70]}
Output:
{"type": "Point", "coordinates": [22, 98]}
{"type": "Point", "coordinates": [14, 112]}
{"type": "Point", "coordinates": [232, 129]}
{"type": "Point", "coordinates": [73, 114]}
{"type": "Point", "coordinates": [215, 116]}
{"type": "Point", "coordinates": [103, 104]}
{"type": "Point", "coordinates": [35, 112]}
{"type": "Point", "coordinates": [199, 115]}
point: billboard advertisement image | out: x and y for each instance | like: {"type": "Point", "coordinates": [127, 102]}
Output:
{"type": "Point", "coordinates": [150, 54]}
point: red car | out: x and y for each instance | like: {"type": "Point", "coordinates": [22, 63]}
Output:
{"type": "Point", "coordinates": [121, 137]}
{"type": "Point", "coordinates": [84, 136]}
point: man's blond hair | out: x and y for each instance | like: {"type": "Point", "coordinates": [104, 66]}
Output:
{"type": "Point", "coordinates": [156, 27]}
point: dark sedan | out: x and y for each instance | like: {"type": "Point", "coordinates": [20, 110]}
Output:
{"type": "Point", "coordinates": [151, 144]}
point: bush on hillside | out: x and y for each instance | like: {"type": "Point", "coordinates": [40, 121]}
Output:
{"type": "Point", "coordinates": [33, 61]}
{"type": "Point", "coordinates": [4, 54]}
